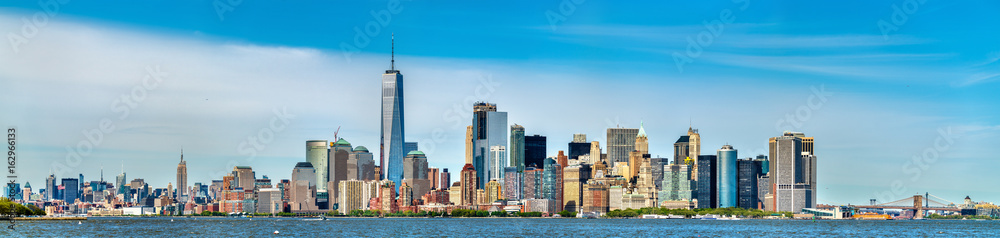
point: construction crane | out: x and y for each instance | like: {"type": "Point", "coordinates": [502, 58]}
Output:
{"type": "Point", "coordinates": [335, 137]}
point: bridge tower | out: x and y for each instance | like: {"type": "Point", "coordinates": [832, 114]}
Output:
{"type": "Point", "coordinates": [918, 205]}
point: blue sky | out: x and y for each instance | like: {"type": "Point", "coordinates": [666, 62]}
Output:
{"type": "Point", "coordinates": [925, 88]}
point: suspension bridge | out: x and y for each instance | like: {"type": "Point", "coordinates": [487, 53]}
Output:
{"type": "Point", "coordinates": [917, 203]}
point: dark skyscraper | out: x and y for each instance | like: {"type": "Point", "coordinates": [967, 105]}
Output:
{"type": "Point", "coordinates": [579, 146]}
{"type": "Point", "coordinates": [70, 190]}
{"type": "Point", "coordinates": [534, 151]}
{"type": "Point", "coordinates": [749, 170]}
{"type": "Point", "coordinates": [707, 192]}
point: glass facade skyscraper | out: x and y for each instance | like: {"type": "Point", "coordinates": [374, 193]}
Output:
{"type": "Point", "coordinates": [316, 154]}
{"type": "Point", "coordinates": [707, 192]}
{"type": "Point", "coordinates": [534, 151]}
{"type": "Point", "coordinates": [489, 128]}
{"type": "Point", "coordinates": [726, 169]}
{"type": "Point", "coordinates": [392, 134]}
{"type": "Point", "coordinates": [516, 149]}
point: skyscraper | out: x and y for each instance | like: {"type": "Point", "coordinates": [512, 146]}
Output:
{"type": "Point", "coordinates": [468, 144]}
{"type": "Point", "coordinates": [534, 151]}
{"type": "Point", "coordinates": [182, 175]}
{"type": "Point", "coordinates": [595, 152]}
{"type": "Point", "coordinates": [512, 183]}
{"type": "Point", "coordinates": [50, 187]}
{"type": "Point", "coordinates": [409, 147]}
{"type": "Point", "coordinates": [392, 134]}
{"type": "Point", "coordinates": [620, 141]}
{"type": "Point", "coordinates": [792, 172]}
{"type": "Point", "coordinates": [302, 191]}
{"type": "Point", "coordinates": [694, 150]}
{"type": "Point", "coordinates": [552, 183]}
{"type": "Point", "coordinates": [498, 152]}
{"type": "Point", "coordinates": [317, 155]}
{"type": "Point", "coordinates": [120, 181]}
{"type": "Point", "coordinates": [726, 169]}
{"type": "Point", "coordinates": [445, 179]}
{"type": "Point", "coordinates": [516, 149]}
{"type": "Point", "coordinates": [337, 156]}
{"type": "Point", "coordinates": [469, 180]}
{"type": "Point", "coordinates": [489, 129]}
{"type": "Point", "coordinates": [70, 190]}
{"type": "Point", "coordinates": [749, 170]}
{"type": "Point", "coordinates": [682, 150]}
{"type": "Point", "coordinates": [364, 162]}
{"type": "Point", "coordinates": [707, 191]}
{"type": "Point", "coordinates": [244, 177]}
{"type": "Point", "coordinates": [574, 178]}
{"type": "Point", "coordinates": [579, 146]}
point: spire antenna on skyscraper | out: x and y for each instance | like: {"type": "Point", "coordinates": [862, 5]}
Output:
{"type": "Point", "coordinates": [393, 54]}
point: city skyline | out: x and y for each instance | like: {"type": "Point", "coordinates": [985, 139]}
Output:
{"type": "Point", "coordinates": [192, 106]}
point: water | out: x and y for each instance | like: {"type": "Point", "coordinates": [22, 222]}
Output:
{"type": "Point", "coordinates": [495, 227]}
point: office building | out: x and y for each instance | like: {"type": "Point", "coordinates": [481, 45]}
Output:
{"type": "Point", "coordinates": [269, 200]}
{"type": "Point", "coordinates": [620, 141]}
{"type": "Point", "coordinates": [596, 197]}
{"type": "Point", "coordinates": [489, 129]}
{"type": "Point", "coordinates": [727, 172]}
{"type": "Point", "coordinates": [468, 144]}
{"type": "Point", "coordinates": [534, 151]}
{"type": "Point", "coordinates": [707, 184]}
{"type": "Point", "coordinates": [317, 155]}
{"type": "Point", "coordinates": [682, 150]}
{"type": "Point", "coordinates": [181, 176]}
{"type": "Point", "coordinates": [552, 182]}
{"type": "Point", "coordinates": [71, 191]}
{"type": "Point", "coordinates": [494, 192]}
{"type": "Point", "coordinates": [361, 165]}
{"type": "Point", "coordinates": [579, 146]}
{"type": "Point", "coordinates": [433, 174]}
{"type": "Point", "coordinates": [694, 150]}
{"type": "Point", "coordinates": [676, 184]}
{"type": "Point", "coordinates": [445, 179]}
{"type": "Point", "coordinates": [574, 178]}
{"type": "Point", "coordinates": [500, 153]}
{"type": "Point", "coordinates": [657, 171]}
{"type": "Point", "coordinates": [791, 172]}
{"type": "Point", "coordinates": [595, 153]}
{"type": "Point", "coordinates": [748, 170]}
{"type": "Point", "coordinates": [337, 169]}
{"type": "Point", "coordinates": [516, 149]}
{"type": "Point", "coordinates": [302, 191]}
{"type": "Point", "coordinates": [50, 188]}
{"type": "Point", "coordinates": [410, 147]}
{"type": "Point", "coordinates": [392, 130]}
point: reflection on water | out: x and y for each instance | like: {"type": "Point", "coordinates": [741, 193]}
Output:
{"type": "Point", "coordinates": [517, 227]}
